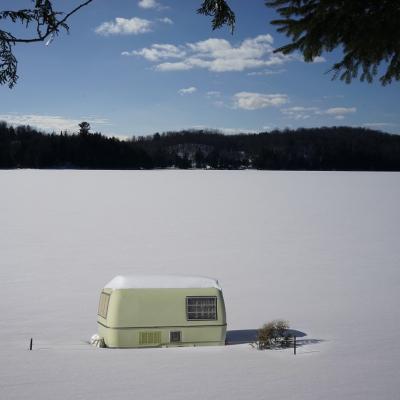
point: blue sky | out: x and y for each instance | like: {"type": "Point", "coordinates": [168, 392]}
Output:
{"type": "Point", "coordinates": [136, 67]}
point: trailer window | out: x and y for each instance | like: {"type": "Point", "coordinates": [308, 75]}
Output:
{"type": "Point", "coordinates": [103, 304]}
{"type": "Point", "coordinates": [201, 308]}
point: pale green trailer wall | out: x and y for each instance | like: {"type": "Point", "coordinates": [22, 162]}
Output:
{"type": "Point", "coordinates": [145, 317]}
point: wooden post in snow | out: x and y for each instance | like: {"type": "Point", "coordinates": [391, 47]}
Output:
{"type": "Point", "coordinates": [31, 344]}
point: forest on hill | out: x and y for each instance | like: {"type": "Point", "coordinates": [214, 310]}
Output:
{"type": "Point", "coordinates": [325, 148]}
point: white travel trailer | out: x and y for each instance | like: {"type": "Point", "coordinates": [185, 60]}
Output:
{"type": "Point", "coordinates": [156, 311]}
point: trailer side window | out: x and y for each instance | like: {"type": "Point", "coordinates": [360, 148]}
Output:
{"type": "Point", "coordinates": [201, 308]}
{"type": "Point", "coordinates": [103, 304]}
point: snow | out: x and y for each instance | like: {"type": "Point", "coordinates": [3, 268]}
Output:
{"type": "Point", "coordinates": [320, 249]}
{"type": "Point", "coordinates": [161, 282]}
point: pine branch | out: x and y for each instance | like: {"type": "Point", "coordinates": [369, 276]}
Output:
{"type": "Point", "coordinates": [47, 24]}
{"type": "Point", "coordinates": [220, 11]}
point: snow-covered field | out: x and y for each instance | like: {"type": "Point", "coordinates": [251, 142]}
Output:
{"type": "Point", "coordinates": [320, 249]}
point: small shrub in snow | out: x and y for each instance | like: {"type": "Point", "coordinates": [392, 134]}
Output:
{"type": "Point", "coordinates": [97, 341]}
{"type": "Point", "coordinates": [273, 335]}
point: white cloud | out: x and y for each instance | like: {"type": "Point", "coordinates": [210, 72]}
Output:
{"type": "Point", "coordinates": [266, 72]}
{"type": "Point", "coordinates": [379, 124]}
{"type": "Point", "coordinates": [227, 131]}
{"type": "Point", "coordinates": [236, 131]}
{"type": "Point", "coordinates": [50, 122]}
{"type": "Point", "coordinates": [188, 90]}
{"type": "Point", "coordinates": [219, 55]}
{"type": "Point", "coordinates": [319, 59]}
{"type": "Point", "coordinates": [213, 93]}
{"type": "Point", "coordinates": [255, 101]}
{"type": "Point", "coordinates": [299, 112]}
{"type": "Point", "coordinates": [123, 26]}
{"type": "Point", "coordinates": [166, 20]}
{"type": "Point", "coordinates": [149, 4]}
{"type": "Point", "coordinates": [176, 66]}
{"type": "Point", "coordinates": [157, 52]}
{"type": "Point", "coordinates": [337, 111]}
{"type": "Point", "coordinates": [335, 96]}
{"type": "Point", "coordinates": [267, 128]}
{"type": "Point", "coordinates": [210, 46]}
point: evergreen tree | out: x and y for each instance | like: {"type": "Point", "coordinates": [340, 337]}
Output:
{"type": "Point", "coordinates": [368, 31]}
{"type": "Point", "coordinates": [199, 159]}
{"type": "Point", "coordinates": [84, 128]}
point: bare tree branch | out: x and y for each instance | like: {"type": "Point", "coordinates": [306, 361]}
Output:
{"type": "Point", "coordinates": [47, 25]}
{"type": "Point", "coordinates": [52, 29]}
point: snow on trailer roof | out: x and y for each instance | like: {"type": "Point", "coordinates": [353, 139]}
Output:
{"type": "Point", "coordinates": [161, 281]}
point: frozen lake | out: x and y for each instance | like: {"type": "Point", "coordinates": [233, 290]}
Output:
{"type": "Point", "coordinates": [320, 249]}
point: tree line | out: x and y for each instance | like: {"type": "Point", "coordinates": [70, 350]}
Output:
{"type": "Point", "coordinates": [325, 148]}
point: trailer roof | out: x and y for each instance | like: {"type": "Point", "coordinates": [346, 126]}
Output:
{"type": "Point", "coordinates": [161, 281]}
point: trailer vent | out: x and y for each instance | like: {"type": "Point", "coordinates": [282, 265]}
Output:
{"type": "Point", "coordinates": [175, 336]}
{"type": "Point", "coordinates": [153, 338]}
